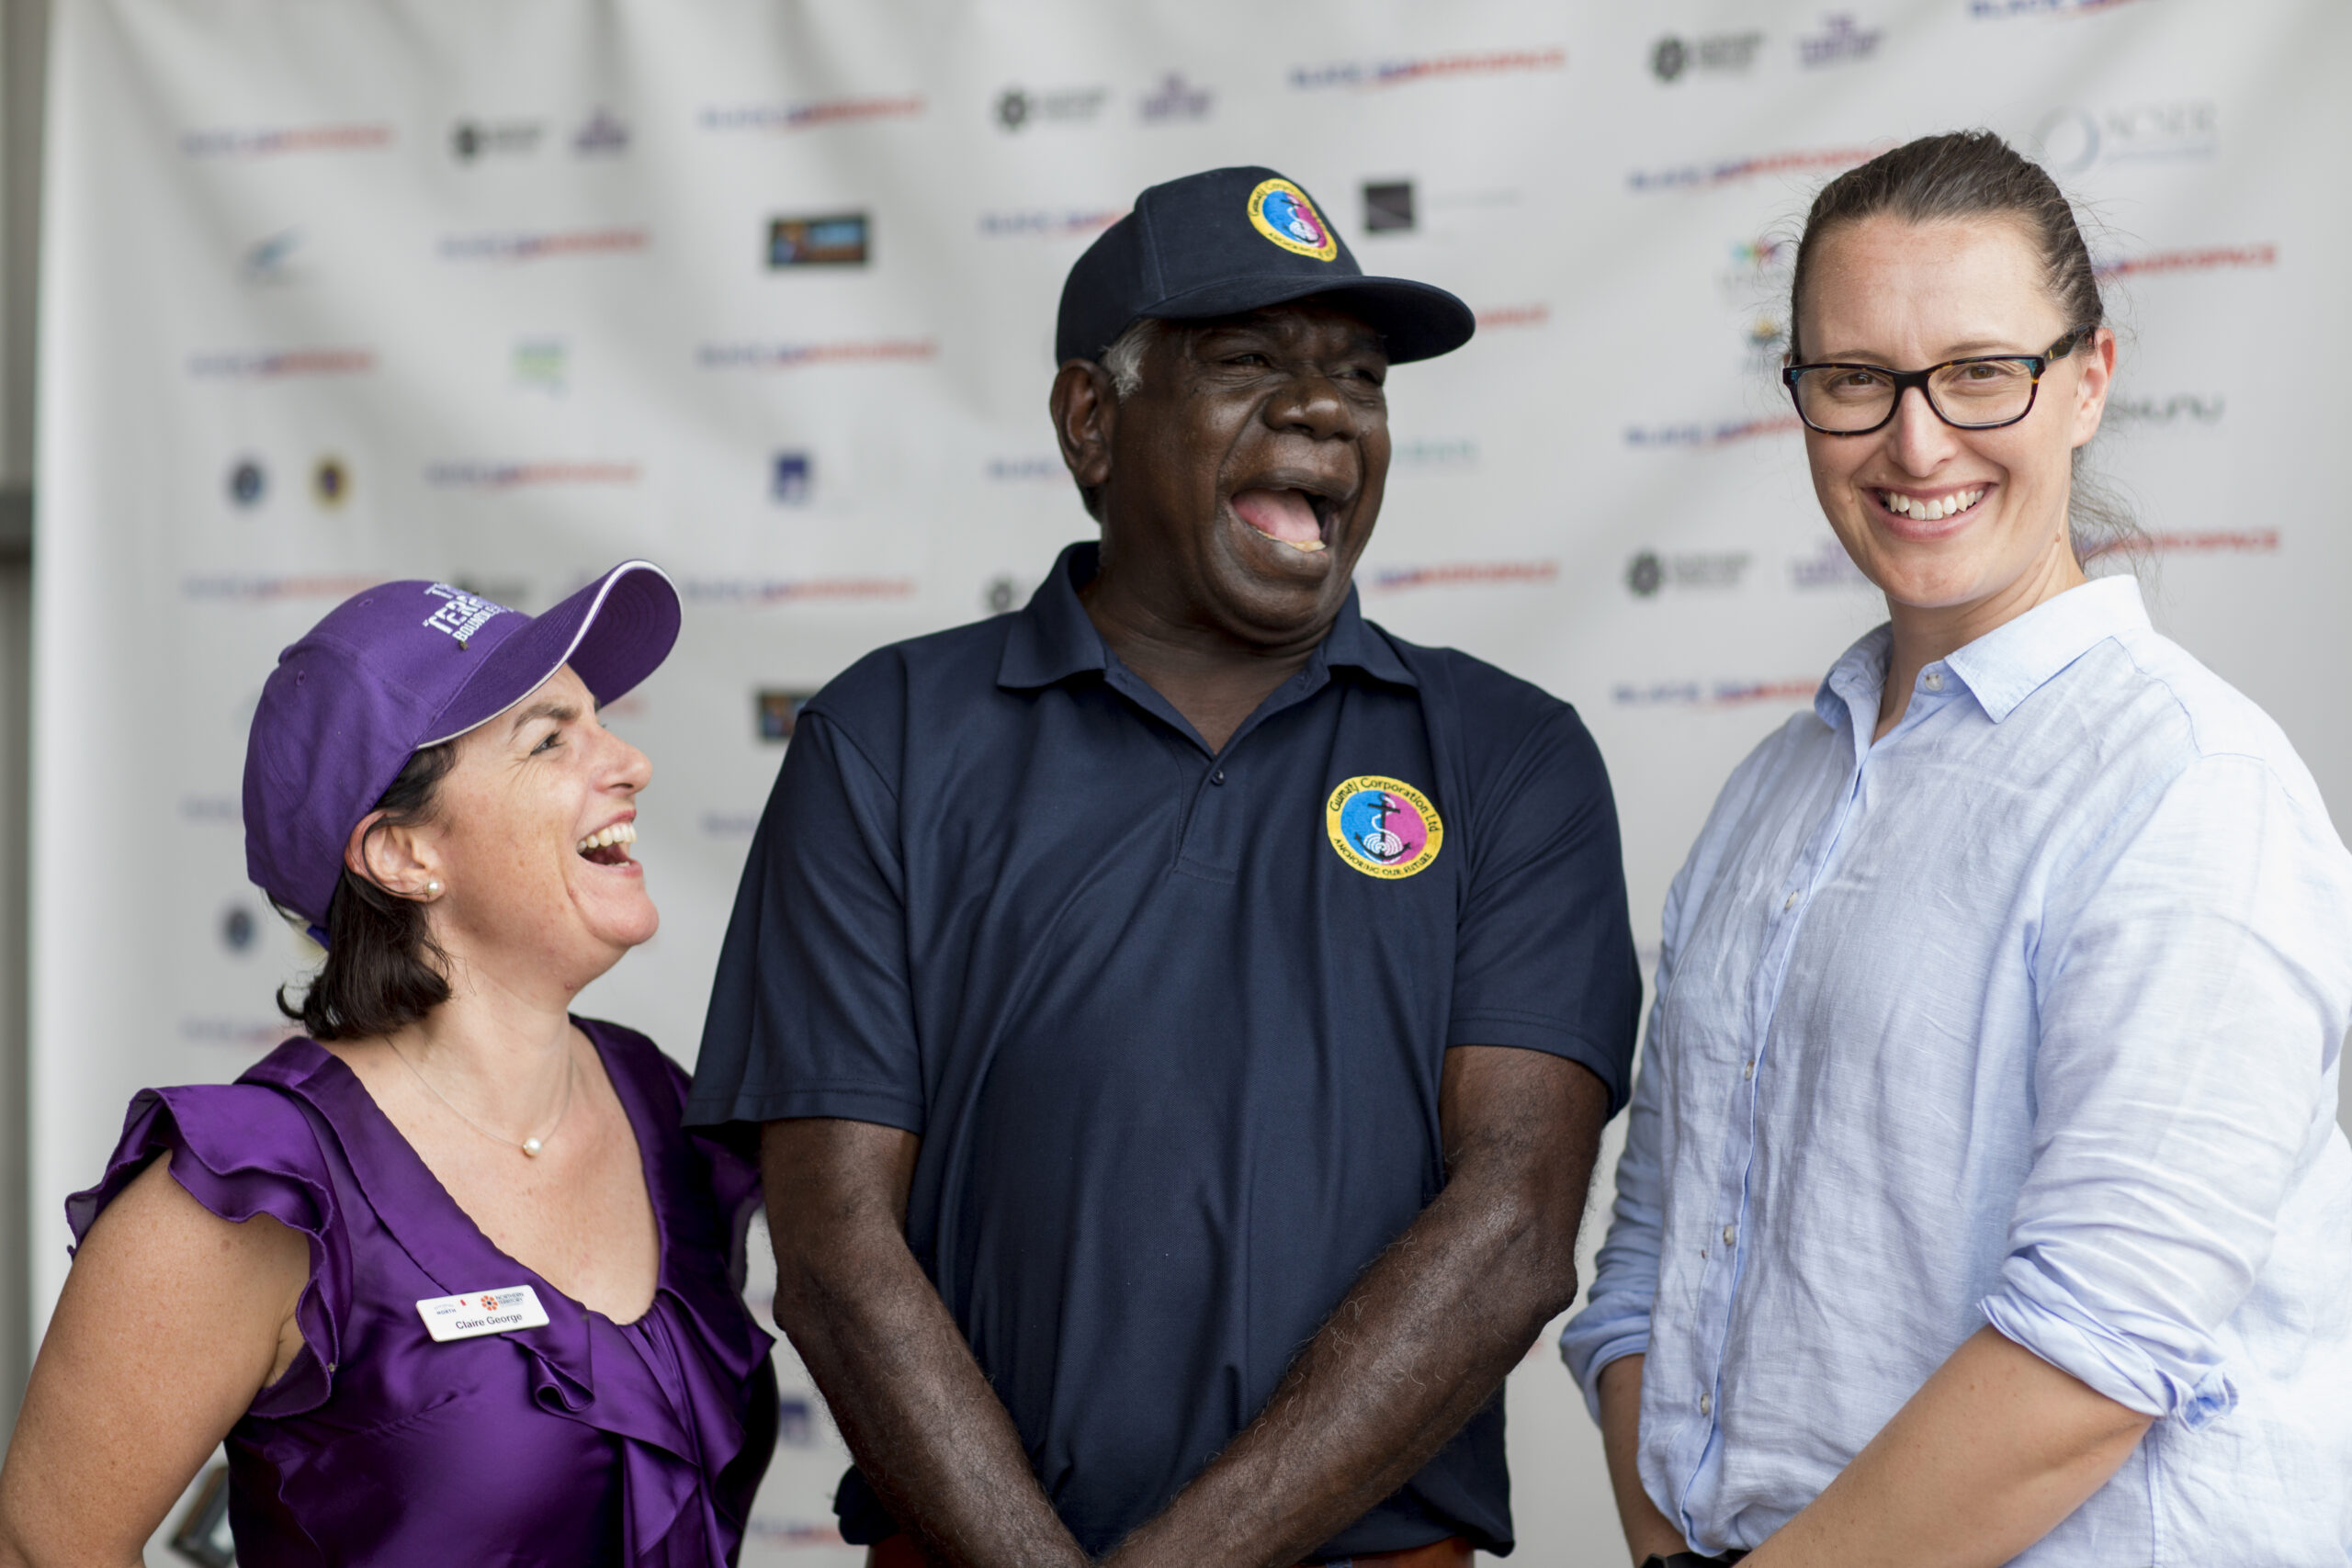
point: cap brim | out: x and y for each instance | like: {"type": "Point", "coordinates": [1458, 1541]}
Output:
{"type": "Point", "coordinates": [1416, 320]}
{"type": "Point", "coordinates": [614, 633]}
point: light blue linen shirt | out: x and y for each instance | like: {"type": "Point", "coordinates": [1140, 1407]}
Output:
{"type": "Point", "coordinates": [2028, 1014]}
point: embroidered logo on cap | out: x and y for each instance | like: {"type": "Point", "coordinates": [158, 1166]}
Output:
{"type": "Point", "coordinates": [1382, 828]}
{"type": "Point", "coordinates": [1280, 210]}
{"type": "Point", "coordinates": [460, 613]}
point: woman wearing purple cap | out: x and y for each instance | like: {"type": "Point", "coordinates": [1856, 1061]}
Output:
{"type": "Point", "coordinates": [447, 1275]}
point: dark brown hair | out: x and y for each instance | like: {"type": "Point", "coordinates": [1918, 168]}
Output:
{"type": "Point", "coordinates": [383, 969]}
{"type": "Point", "coordinates": [1975, 175]}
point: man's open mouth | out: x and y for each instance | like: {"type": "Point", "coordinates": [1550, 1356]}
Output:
{"type": "Point", "coordinates": [609, 846]}
{"type": "Point", "coordinates": [1299, 518]}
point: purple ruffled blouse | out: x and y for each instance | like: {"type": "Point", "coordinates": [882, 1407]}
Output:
{"type": "Point", "coordinates": [584, 1442]}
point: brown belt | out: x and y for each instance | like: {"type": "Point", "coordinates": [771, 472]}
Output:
{"type": "Point", "coordinates": [902, 1552]}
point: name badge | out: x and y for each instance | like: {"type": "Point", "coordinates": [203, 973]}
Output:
{"type": "Point", "coordinates": [481, 1312]}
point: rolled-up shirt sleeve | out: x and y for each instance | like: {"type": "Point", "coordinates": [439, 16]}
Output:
{"type": "Point", "coordinates": [2188, 982]}
{"type": "Point", "coordinates": [1615, 1322]}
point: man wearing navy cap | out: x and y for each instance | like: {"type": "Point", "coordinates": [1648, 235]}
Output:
{"type": "Point", "coordinates": [1183, 1014]}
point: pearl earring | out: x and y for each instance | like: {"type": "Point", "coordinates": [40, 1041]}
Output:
{"type": "Point", "coordinates": [433, 888]}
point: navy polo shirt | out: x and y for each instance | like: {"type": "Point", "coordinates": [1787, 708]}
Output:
{"type": "Point", "coordinates": [1168, 1023]}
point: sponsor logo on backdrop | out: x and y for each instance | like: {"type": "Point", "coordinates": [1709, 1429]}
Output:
{"type": "Point", "coordinates": [1389, 207]}
{"type": "Point", "coordinates": [528, 246]}
{"type": "Point", "coordinates": [1672, 57]}
{"type": "Point", "coordinates": [1726, 432]}
{"type": "Point", "coordinates": [471, 140]}
{"type": "Point", "coordinates": [793, 1532]}
{"type": "Point", "coordinates": [2206, 542]}
{"type": "Point", "coordinates": [330, 482]}
{"type": "Point", "coordinates": [1001, 594]}
{"type": "Point", "coordinates": [808, 115]}
{"type": "Point", "coordinates": [2004, 8]}
{"type": "Point", "coordinates": [1793, 692]}
{"type": "Point", "coordinates": [248, 482]}
{"type": "Point", "coordinates": [274, 141]}
{"type": "Point", "coordinates": [602, 135]}
{"type": "Point", "coordinates": [1648, 573]}
{"type": "Point", "coordinates": [217, 810]}
{"type": "Point", "coordinates": [777, 713]}
{"type": "Point", "coordinates": [1828, 567]}
{"type": "Point", "coordinates": [1497, 317]}
{"type": "Point", "coordinates": [1460, 574]}
{"type": "Point", "coordinates": [543, 364]}
{"type": "Point", "coordinates": [727, 824]}
{"type": "Point", "coordinates": [269, 262]}
{"type": "Point", "coordinates": [1174, 101]}
{"type": "Point", "coordinates": [756, 592]}
{"type": "Point", "coordinates": [837, 239]}
{"type": "Point", "coordinates": [503, 476]}
{"type": "Point", "coordinates": [1840, 41]}
{"type": "Point", "coordinates": [796, 1422]}
{"type": "Point", "coordinates": [1080, 220]}
{"type": "Point", "coordinates": [1398, 73]}
{"type": "Point", "coordinates": [2179, 408]}
{"type": "Point", "coordinates": [795, 356]}
{"type": "Point", "coordinates": [237, 928]}
{"type": "Point", "coordinates": [1730, 170]}
{"type": "Point", "coordinates": [2075, 139]}
{"type": "Point", "coordinates": [790, 479]}
{"type": "Point", "coordinates": [1018, 107]}
{"type": "Point", "coordinates": [2211, 259]}
{"type": "Point", "coordinates": [1455, 454]}
{"type": "Point", "coordinates": [269, 365]}
{"type": "Point", "coordinates": [244, 590]}
{"type": "Point", "coordinates": [1026, 469]}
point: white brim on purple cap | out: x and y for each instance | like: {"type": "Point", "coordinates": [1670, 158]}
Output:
{"type": "Point", "coordinates": [614, 633]}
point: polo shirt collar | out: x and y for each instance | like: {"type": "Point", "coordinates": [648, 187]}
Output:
{"type": "Point", "coordinates": [2005, 665]}
{"type": "Point", "coordinates": [1053, 638]}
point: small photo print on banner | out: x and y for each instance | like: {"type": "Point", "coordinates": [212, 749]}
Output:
{"type": "Point", "coordinates": [836, 240]}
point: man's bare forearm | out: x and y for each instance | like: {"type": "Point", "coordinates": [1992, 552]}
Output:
{"type": "Point", "coordinates": [927, 1431]}
{"type": "Point", "coordinates": [1424, 1338]}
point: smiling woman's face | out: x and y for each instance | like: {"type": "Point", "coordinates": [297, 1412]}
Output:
{"type": "Point", "coordinates": [1946, 520]}
{"type": "Point", "coordinates": [531, 836]}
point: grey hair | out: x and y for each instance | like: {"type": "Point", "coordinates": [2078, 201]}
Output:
{"type": "Point", "coordinates": [1124, 358]}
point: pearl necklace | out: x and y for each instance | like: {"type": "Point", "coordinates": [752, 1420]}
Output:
{"type": "Point", "coordinates": [530, 1147]}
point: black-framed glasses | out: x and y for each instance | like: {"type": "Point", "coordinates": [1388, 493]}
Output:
{"type": "Point", "coordinates": [1984, 392]}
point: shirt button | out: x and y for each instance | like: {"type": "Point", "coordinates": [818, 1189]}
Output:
{"type": "Point", "coordinates": [1751, 1068]}
{"type": "Point", "coordinates": [1217, 777]}
{"type": "Point", "coordinates": [1935, 679]}
{"type": "Point", "coordinates": [1706, 1404]}
{"type": "Point", "coordinates": [1792, 901]}
{"type": "Point", "coordinates": [1730, 1233]}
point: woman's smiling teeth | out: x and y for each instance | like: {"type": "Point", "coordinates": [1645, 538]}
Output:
{"type": "Point", "coordinates": [1929, 510]}
{"type": "Point", "coordinates": [609, 845]}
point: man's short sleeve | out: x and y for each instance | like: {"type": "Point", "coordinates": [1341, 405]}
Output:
{"type": "Point", "coordinates": [811, 1013]}
{"type": "Point", "coordinates": [1544, 958]}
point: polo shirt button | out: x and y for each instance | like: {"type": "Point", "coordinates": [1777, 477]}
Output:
{"type": "Point", "coordinates": [1217, 777]}
{"type": "Point", "coordinates": [1935, 679]}
{"type": "Point", "coordinates": [1793, 901]}
{"type": "Point", "coordinates": [1706, 1404]}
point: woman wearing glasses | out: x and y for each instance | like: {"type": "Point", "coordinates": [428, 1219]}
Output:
{"type": "Point", "coordinates": [1983, 1198]}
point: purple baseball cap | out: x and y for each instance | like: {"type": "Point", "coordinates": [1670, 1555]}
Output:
{"type": "Point", "coordinates": [406, 665]}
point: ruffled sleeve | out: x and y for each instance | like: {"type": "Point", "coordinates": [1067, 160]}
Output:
{"type": "Point", "coordinates": [241, 1150]}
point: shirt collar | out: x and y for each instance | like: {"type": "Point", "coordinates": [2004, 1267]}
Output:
{"type": "Point", "coordinates": [2005, 665]}
{"type": "Point", "coordinates": [1053, 638]}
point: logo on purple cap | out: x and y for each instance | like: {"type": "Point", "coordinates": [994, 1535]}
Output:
{"type": "Point", "coordinates": [461, 614]}
{"type": "Point", "coordinates": [1280, 210]}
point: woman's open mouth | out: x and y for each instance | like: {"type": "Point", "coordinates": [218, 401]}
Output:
{"type": "Point", "coordinates": [1929, 509]}
{"type": "Point", "coordinates": [609, 846]}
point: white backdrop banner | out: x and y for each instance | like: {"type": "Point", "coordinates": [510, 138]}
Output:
{"type": "Point", "coordinates": [335, 291]}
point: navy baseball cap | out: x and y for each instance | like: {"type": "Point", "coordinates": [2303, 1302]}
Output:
{"type": "Point", "coordinates": [406, 665]}
{"type": "Point", "coordinates": [1235, 240]}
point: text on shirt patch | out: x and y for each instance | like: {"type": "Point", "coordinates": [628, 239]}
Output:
{"type": "Point", "coordinates": [1382, 828]}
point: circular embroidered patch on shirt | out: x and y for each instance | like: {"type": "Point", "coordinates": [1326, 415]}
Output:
{"type": "Point", "coordinates": [1382, 828]}
{"type": "Point", "coordinates": [1280, 210]}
